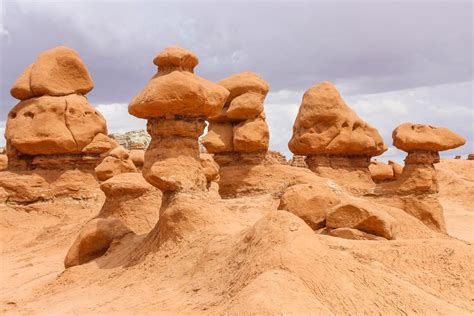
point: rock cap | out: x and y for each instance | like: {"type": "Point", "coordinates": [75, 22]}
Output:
{"type": "Point", "coordinates": [178, 57]}
{"type": "Point", "coordinates": [413, 137]}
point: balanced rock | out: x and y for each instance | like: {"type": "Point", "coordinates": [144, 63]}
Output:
{"type": "Point", "coordinates": [176, 103]}
{"type": "Point", "coordinates": [411, 137]}
{"type": "Point", "coordinates": [422, 142]}
{"type": "Point", "coordinates": [338, 144]}
{"type": "Point", "coordinates": [58, 71]}
{"type": "Point", "coordinates": [54, 122]}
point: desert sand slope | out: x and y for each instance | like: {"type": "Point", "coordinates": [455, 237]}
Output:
{"type": "Point", "coordinates": [456, 194]}
{"type": "Point", "coordinates": [247, 258]}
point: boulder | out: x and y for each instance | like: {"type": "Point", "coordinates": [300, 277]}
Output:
{"type": "Point", "coordinates": [412, 137]}
{"type": "Point", "coordinates": [245, 106]}
{"type": "Point", "coordinates": [59, 71]}
{"type": "Point", "coordinates": [325, 125]}
{"type": "Point", "coordinates": [380, 171]}
{"type": "Point", "coordinates": [94, 240]}
{"type": "Point", "coordinates": [310, 202]}
{"type": "Point", "coordinates": [359, 216]}
{"type": "Point", "coordinates": [244, 82]}
{"type": "Point", "coordinates": [53, 125]}
{"type": "Point", "coordinates": [219, 138]}
{"type": "Point", "coordinates": [251, 136]}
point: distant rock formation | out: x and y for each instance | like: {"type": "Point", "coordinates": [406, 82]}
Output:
{"type": "Point", "coordinates": [135, 139]}
{"type": "Point", "coordinates": [298, 161]}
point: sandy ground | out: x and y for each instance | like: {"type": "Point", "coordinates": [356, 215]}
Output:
{"type": "Point", "coordinates": [258, 261]}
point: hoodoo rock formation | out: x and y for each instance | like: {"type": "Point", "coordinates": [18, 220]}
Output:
{"type": "Point", "coordinates": [54, 123]}
{"type": "Point", "coordinates": [416, 188]}
{"type": "Point", "coordinates": [176, 103]}
{"type": "Point", "coordinates": [240, 130]}
{"type": "Point", "coordinates": [338, 144]}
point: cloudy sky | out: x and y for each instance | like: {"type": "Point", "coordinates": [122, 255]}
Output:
{"type": "Point", "coordinates": [393, 61]}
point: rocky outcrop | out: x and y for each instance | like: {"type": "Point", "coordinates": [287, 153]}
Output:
{"type": "Point", "coordinates": [132, 200]}
{"type": "Point", "coordinates": [54, 124]}
{"type": "Point", "coordinates": [470, 156]}
{"type": "Point", "coordinates": [176, 103]}
{"type": "Point", "coordinates": [336, 142]}
{"type": "Point", "coordinates": [396, 168]}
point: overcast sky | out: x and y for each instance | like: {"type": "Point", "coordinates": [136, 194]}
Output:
{"type": "Point", "coordinates": [393, 61]}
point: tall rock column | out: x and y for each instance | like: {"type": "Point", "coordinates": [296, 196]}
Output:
{"type": "Point", "coordinates": [338, 144]}
{"type": "Point", "coordinates": [176, 103]}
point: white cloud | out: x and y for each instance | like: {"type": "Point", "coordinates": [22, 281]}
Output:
{"type": "Point", "coordinates": [2, 132]}
{"type": "Point", "coordinates": [118, 119]}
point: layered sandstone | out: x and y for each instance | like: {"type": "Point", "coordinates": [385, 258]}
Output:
{"type": "Point", "coordinates": [336, 142]}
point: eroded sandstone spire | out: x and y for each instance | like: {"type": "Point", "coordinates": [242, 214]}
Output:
{"type": "Point", "coordinates": [176, 103]}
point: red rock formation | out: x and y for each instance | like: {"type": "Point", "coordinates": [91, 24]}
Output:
{"type": "Point", "coordinates": [54, 125]}
{"type": "Point", "coordinates": [176, 103]}
{"type": "Point", "coordinates": [337, 143]}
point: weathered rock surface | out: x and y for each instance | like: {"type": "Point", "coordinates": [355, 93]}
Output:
{"type": "Point", "coordinates": [135, 139]}
{"type": "Point", "coordinates": [325, 125]}
{"type": "Point", "coordinates": [410, 137]}
{"type": "Point", "coordinates": [57, 72]}
{"type": "Point", "coordinates": [351, 233]}
{"type": "Point", "coordinates": [132, 200]}
{"type": "Point", "coordinates": [372, 221]}
{"type": "Point", "coordinates": [251, 136]}
{"type": "Point", "coordinates": [94, 240]}
{"type": "Point", "coordinates": [138, 157]}
{"type": "Point", "coordinates": [381, 171]}
{"type": "Point", "coordinates": [397, 169]}
{"type": "Point", "coordinates": [210, 167]}
{"type": "Point", "coordinates": [310, 202]}
{"type": "Point", "coordinates": [219, 138]}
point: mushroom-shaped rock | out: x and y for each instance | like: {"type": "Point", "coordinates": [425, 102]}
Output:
{"type": "Point", "coordinates": [176, 102]}
{"type": "Point", "coordinates": [411, 137]}
{"type": "Point", "coordinates": [94, 240]}
{"type": "Point", "coordinates": [336, 142]}
{"type": "Point", "coordinates": [326, 125]}
{"type": "Point", "coordinates": [132, 200]}
{"type": "Point", "coordinates": [176, 90]}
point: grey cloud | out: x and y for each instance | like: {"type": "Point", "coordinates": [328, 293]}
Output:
{"type": "Point", "coordinates": [366, 46]}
